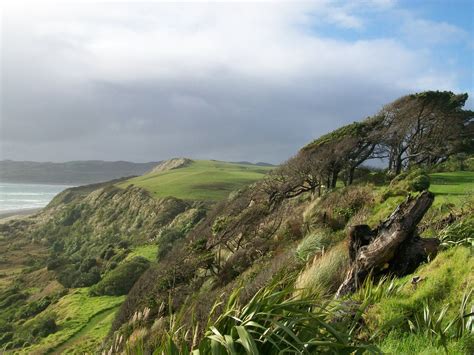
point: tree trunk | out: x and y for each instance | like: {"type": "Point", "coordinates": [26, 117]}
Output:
{"type": "Point", "coordinates": [393, 247]}
{"type": "Point", "coordinates": [350, 179]}
{"type": "Point", "coordinates": [334, 176]}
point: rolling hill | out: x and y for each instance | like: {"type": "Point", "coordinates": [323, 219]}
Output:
{"type": "Point", "coordinates": [198, 179]}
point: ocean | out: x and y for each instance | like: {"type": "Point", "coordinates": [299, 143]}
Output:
{"type": "Point", "coordinates": [17, 197]}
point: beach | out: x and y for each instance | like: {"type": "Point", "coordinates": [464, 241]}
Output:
{"type": "Point", "coordinates": [6, 215]}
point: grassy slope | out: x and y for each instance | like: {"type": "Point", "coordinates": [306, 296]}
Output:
{"type": "Point", "coordinates": [148, 252]}
{"type": "Point", "coordinates": [452, 187]}
{"type": "Point", "coordinates": [449, 188]}
{"type": "Point", "coordinates": [201, 180]}
{"type": "Point", "coordinates": [74, 313]}
{"type": "Point", "coordinates": [445, 280]}
{"type": "Point", "coordinates": [83, 320]}
{"type": "Point", "coordinates": [88, 338]}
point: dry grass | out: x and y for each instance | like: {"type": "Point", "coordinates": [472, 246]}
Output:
{"type": "Point", "coordinates": [325, 273]}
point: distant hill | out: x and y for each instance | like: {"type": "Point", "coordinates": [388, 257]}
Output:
{"type": "Point", "coordinates": [73, 172]}
{"type": "Point", "coordinates": [260, 163]}
{"type": "Point", "coordinates": [197, 179]}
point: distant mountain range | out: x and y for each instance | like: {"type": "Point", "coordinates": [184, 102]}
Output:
{"type": "Point", "coordinates": [73, 172]}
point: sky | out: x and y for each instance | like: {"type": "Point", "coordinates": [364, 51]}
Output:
{"type": "Point", "coordinates": [234, 81]}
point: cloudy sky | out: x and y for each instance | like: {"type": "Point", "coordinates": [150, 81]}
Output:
{"type": "Point", "coordinates": [255, 81]}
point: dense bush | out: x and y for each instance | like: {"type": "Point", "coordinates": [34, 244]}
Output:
{"type": "Point", "coordinates": [458, 162]}
{"type": "Point", "coordinates": [121, 279]}
{"type": "Point", "coordinates": [44, 326]}
{"type": "Point", "coordinates": [33, 308]}
{"type": "Point", "coordinates": [166, 240]}
{"type": "Point", "coordinates": [293, 229]}
{"type": "Point", "coordinates": [419, 182]}
{"type": "Point", "coordinates": [337, 208]}
{"type": "Point", "coordinates": [70, 276]}
{"type": "Point", "coordinates": [55, 261]}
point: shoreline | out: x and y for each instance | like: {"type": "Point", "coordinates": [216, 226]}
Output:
{"type": "Point", "coordinates": [18, 213]}
{"type": "Point", "coordinates": [66, 185]}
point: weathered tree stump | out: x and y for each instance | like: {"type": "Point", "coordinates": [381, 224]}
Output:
{"type": "Point", "coordinates": [394, 247]}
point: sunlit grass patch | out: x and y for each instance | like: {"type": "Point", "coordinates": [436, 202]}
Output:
{"type": "Point", "coordinates": [73, 312]}
{"type": "Point", "coordinates": [444, 281]}
{"type": "Point", "coordinates": [452, 187]}
{"type": "Point", "coordinates": [200, 180]}
{"type": "Point", "coordinates": [148, 252]}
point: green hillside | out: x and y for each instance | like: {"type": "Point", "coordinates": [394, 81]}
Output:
{"type": "Point", "coordinates": [452, 187]}
{"type": "Point", "coordinates": [200, 180]}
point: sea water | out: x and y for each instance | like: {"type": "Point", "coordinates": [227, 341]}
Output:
{"type": "Point", "coordinates": [16, 197]}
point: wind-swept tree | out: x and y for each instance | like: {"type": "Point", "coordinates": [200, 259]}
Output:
{"type": "Point", "coordinates": [346, 148]}
{"type": "Point", "coordinates": [425, 129]}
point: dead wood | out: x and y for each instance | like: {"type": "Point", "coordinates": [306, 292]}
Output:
{"type": "Point", "coordinates": [394, 247]}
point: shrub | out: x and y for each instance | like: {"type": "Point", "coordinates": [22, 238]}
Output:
{"type": "Point", "coordinates": [87, 264]}
{"type": "Point", "coordinates": [293, 229]}
{"type": "Point", "coordinates": [336, 208]}
{"type": "Point", "coordinates": [44, 326]}
{"type": "Point", "coordinates": [166, 240]}
{"type": "Point", "coordinates": [68, 276]}
{"type": "Point", "coordinates": [35, 307]}
{"type": "Point", "coordinates": [121, 279]}
{"type": "Point", "coordinates": [419, 183]}
{"type": "Point", "coordinates": [55, 262]}
{"type": "Point", "coordinates": [88, 278]}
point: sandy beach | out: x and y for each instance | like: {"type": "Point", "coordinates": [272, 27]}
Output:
{"type": "Point", "coordinates": [4, 215]}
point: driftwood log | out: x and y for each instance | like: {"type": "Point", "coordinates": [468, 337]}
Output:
{"type": "Point", "coordinates": [393, 248]}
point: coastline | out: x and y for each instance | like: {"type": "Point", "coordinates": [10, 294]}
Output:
{"type": "Point", "coordinates": [17, 213]}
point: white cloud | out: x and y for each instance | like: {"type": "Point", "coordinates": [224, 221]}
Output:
{"type": "Point", "coordinates": [228, 81]}
{"type": "Point", "coordinates": [431, 32]}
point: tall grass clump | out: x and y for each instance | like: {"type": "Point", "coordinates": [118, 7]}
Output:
{"type": "Point", "coordinates": [325, 273]}
{"type": "Point", "coordinates": [317, 241]}
{"type": "Point", "coordinates": [459, 233]}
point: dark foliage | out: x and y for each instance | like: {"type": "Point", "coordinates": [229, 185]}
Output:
{"type": "Point", "coordinates": [121, 279]}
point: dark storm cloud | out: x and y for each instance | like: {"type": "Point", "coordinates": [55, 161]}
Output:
{"type": "Point", "coordinates": [118, 82]}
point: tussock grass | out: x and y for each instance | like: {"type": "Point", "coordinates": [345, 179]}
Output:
{"type": "Point", "coordinates": [325, 273]}
{"type": "Point", "coordinates": [317, 241]}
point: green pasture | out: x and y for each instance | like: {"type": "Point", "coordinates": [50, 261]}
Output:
{"type": "Point", "coordinates": [201, 180]}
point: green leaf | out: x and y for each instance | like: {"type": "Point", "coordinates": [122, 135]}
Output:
{"type": "Point", "coordinates": [247, 341]}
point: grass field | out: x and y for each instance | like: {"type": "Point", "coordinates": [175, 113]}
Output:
{"type": "Point", "coordinates": [452, 187]}
{"type": "Point", "coordinates": [79, 316]}
{"type": "Point", "coordinates": [88, 338]}
{"type": "Point", "coordinates": [148, 252]}
{"type": "Point", "coordinates": [201, 180]}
